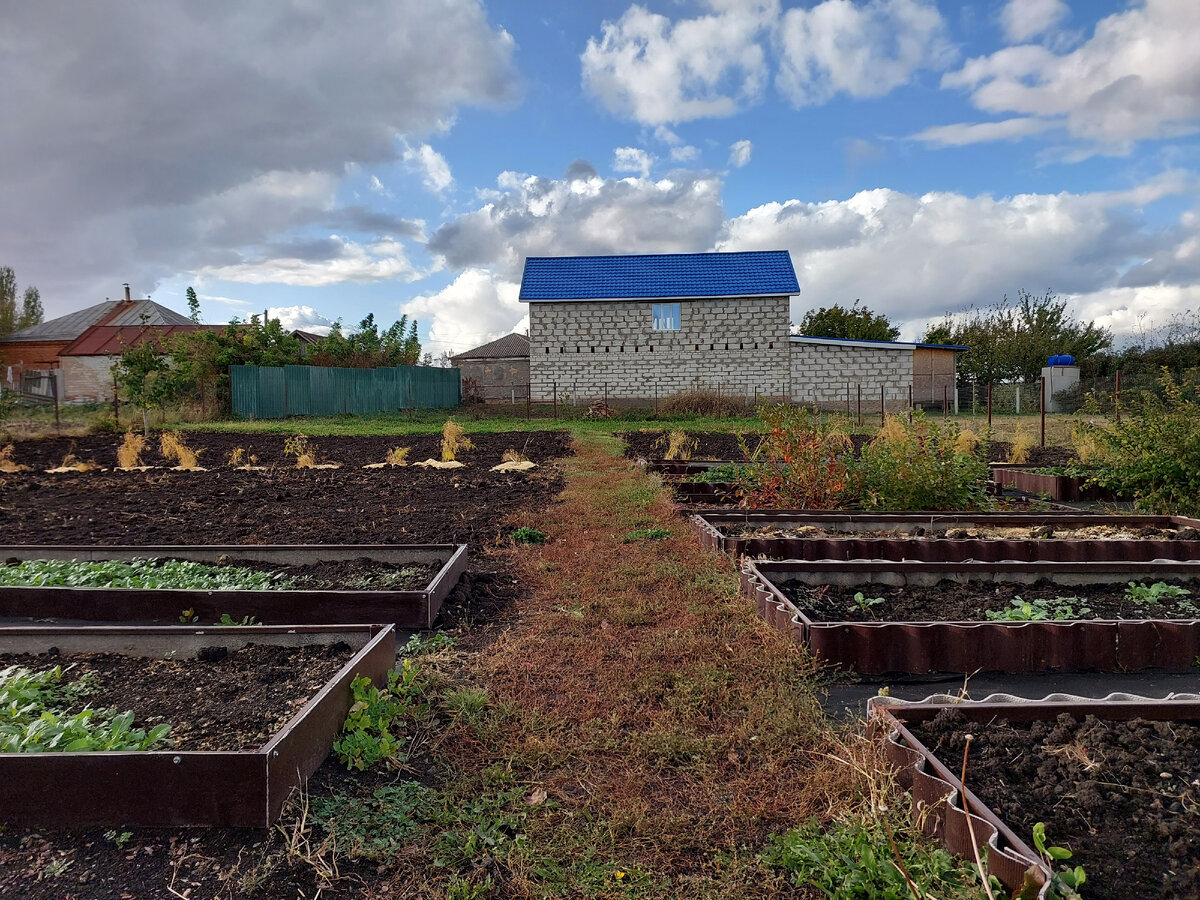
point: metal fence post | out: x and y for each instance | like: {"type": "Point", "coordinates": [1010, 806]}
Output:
{"type": "Point", "coordinates": [910, 404]}
{"type": "Point", "coordinates": [989, 404]}
{"type": "Point", "coordinates": [859, 386]}
{"type": "Point", "coordinates": [1117, 397]}
{"type": "Point", "coordinates": [1042, 404]}
{"type": "Point", "coordinates": [945, 401]}
{"type": "Point", "coordinates": [555, 383]}
{"type": "Point", "coordinates": [882, 407]}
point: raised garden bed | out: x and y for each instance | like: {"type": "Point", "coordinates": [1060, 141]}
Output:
{"type": "Point", "coordinates": [949, 537]}
{"type": "Point", "coordinates": [415, 607]}
{"type": "Point", "coordinates": [685, 468]}
{"type": "Point", "coordinates": [1055, 486]}
{"type": "Point", "coordinates": [875, 646]}
{"type": "Point", "coordinates": [245, 786]}
{"type": "Point", "coordinates": [1114, 780]}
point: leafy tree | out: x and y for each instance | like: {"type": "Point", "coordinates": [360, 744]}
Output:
{"type": "Point", "coordinates": [193, 303]}
{"type": "Point", "coordinates": [8, 301]}
{"type": "Point", "coordinates": [853, 323]}
{"type": "Point", "coordinates": [31, 309]}
{"type": "Point", "coordinates": [145, 373]}
{"type": "Point", "coordinates": [367, 348]}
{"type": "Point", "coordinates": [1011, 342]}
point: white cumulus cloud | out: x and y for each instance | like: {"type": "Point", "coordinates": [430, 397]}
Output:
{"type": "Point", "coordinates": [864, 50]}
{"type": "Point", "coordinates": [632, 159]}
{"type": "Point", "coordinates": [1024, 19]}
{"type": "Point", "coordinates": [1136, 78]}
{"type": "Point", "coordinates": [916, 257]}
{"type": "Point", "coordinates": [430, 165]}
{"type": "Point", "coordinates": [658, 72]}
{"type": "Point", "coordinates": [739, 153]}
{"type": "Point", "coordinates": [300, 318]}
{"type": "Point", "coordinates": [319, 263]}
{"type": "Point", "coordinates": [477, 307]}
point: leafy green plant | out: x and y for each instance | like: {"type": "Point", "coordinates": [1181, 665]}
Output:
{"type": "Point", "coordinates": [854, 862]}
{"type": "Point", "coordinates": [1057, 609]}
{"type": "Point", "coordinates": [120, 838]}
{"type": "Point", "coordinates": [1066, 882]}
{"type": "Point", "coordinates": [725, 472]}
{"type": "Point", "coordinates": [527, 535]}
{"type": "Point", "coordinates": [419, 645]}
{"type": "Point", "coordinates": [373, 731]}
{"type": "Point", "coordinates": [646, 534]}
{"type": "Point", "coordinates": [34, 717]}
{"type": "Point", "coordinates": [1151, 595]}
{"type": "Point", "coordinates": [149, 574]}
{"type": "Point", "coordinates": [227, 619]}
{"type": "Point", "coordinates": [864, 603]}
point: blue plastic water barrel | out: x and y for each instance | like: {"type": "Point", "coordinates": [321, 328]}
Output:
{"type": "Point", "coordinates": [1064, 359]}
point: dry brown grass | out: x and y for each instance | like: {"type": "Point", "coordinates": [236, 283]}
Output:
{"type": "Point", "coordinates": [299, 447]}
{"type": "Point", "coordinates": [129, 454]}
{"type": "Point", "coordinates": [173, 446]}
{"type": "Point", "coordinates": [640, 691]}
{"type": "Point", "coordinates": [891, 432]}
{"type": "Point", "coordinates": [397, 456]}
{"type": "Point", "coordinates": [1086, 447]}
{"type": "Point", "coordinates": [454, 441]}
{"type": "Point", "coordinates": [677, 445]}
{"type": "Point", "coordinates": [74, 463]}
{"type": "Point", "coordinates": [1022, 442]}
{"type": "Point", "coordinates": [967, 442]}
{"type": "Point", "coordinates": [7, 464]}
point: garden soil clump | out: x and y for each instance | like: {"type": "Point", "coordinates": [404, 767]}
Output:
{"type": "Point", "coordinates": [998, 452]}
{"type": "Point", "coordinates": [1122, 796]}
{"type": "Point", "coordinates": [950, 601]}
{"type": "Point", "coordinates": [225, 700]}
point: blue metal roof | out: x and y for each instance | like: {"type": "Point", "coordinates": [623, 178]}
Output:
{"type": "Point", "coordinates": [676, 275]}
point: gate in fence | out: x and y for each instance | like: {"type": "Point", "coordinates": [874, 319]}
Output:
{"type": "Point", "coordinates": [274, 392]}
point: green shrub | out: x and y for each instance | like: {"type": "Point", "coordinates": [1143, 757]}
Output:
{"type": "Point", "coordinates": [800, 463]}
{"type": "Point", "coordinates": [1153, 454]}
{"type": "Point", "coordinates": [527, 535]}
{"type": "Point", "coordinates": [918, 465]}
{"type": "Point", "coordinates": [147, 574]}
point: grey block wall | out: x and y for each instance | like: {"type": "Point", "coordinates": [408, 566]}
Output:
{"type": "Point", "coordinates": [826, 374]}
{"type": "Point", "coordinates": [592, 347]}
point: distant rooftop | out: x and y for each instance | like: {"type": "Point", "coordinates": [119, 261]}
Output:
{"type": "Point", "coordinates": [110, 340]}
{"type": "Point", "coordinates": [110, 312]}
{"type": "Point", "coordinates": [859, 342]}
{"type": "Point", "coordinates": [678, 276]}
{"type": "Point", "coordinates": [510, 346]}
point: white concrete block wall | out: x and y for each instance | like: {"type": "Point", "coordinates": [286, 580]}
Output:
{"type": "Point", "coordinates": [826, 373]}
{"type": "Point", "coordinates": [592, 347]}
{"type": "Point", "coordinates": [88, 377]}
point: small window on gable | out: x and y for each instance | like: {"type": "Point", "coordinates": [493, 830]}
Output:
{"type": "Point", "coordinates": [666, 316]}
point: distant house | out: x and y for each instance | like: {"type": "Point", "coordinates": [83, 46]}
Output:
{"type": "Point", "coordinates": [638, 327]}
{"type": "Point", "coordinates": [498, 370]}
{"type": "Point", "coordinates": [61, 346]}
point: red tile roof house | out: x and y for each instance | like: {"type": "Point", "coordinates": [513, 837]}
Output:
{"type": "Point", "coordinates": [80, 347]}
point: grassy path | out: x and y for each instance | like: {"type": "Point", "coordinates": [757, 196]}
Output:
{"type": "Point", "coordinates": [649, 731]}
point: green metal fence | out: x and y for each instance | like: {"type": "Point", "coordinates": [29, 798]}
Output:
{"type": "Point", "coordinates": [271, 392]}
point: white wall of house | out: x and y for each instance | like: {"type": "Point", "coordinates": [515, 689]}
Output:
{"type": "Point", "coordinates": [592, 347]}
{"type": "Point", "coordinates": [829, 373]}
{"type": "Point", "coordinates": [88, 377]}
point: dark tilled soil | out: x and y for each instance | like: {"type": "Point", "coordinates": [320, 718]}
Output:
{"type": "Point", "coordinates": [352, 452]}
{"type": "Point", "coordinates": [1121, 795]}
{"type": "Point", "coordinates": [278, 506]}
{"type": "Point", "coordinates": [236, 701]}
{"type": "Point", "coordinates": [950, 601]}
{"type": "Point", "coordinates": [713, 444]}
{"type": "Point", "coordinates": [1039, 456]}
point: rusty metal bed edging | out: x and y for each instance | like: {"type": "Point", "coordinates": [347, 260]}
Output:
{"type": "Point", "coordinates": [165, 788]}
{"type": "Point", "coordinates": [878, 648]}
{"type": "Point", "coordinates": [411, 608]}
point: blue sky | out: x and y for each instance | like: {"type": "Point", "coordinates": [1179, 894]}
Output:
{"type": "Point", "coordinates": [326, 161]}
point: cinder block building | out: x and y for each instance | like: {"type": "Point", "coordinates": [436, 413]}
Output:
{"type": "Point", "coordinates": [638, 327]}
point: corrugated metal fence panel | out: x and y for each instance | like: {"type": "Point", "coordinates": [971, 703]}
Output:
{"type": "Point", "coordinates": [325, 392]}
{"type": "Point", "coordinates": [434, 388]}
{"type": "Point", "coordinates": [272, 393]}
{"type": "Point", "coordinates": [262, 392]}
{"type": "Point", "coordinates": [243, 388]}
{"type": "Point", "coordinates": [298, 396]}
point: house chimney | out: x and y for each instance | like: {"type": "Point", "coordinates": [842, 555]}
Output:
{"type": "Point", "coordinates": [127, 297]}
